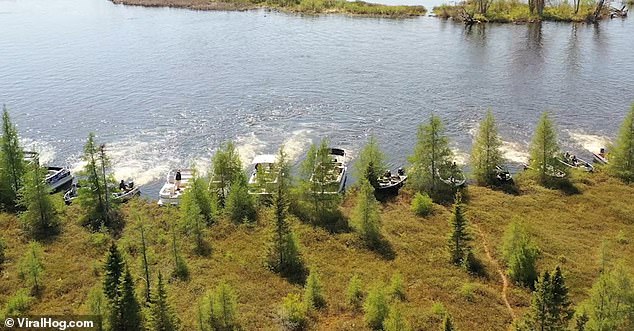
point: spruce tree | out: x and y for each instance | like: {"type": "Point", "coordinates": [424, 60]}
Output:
{"type": "Point", "coordinates": [371, 163]}
{"type": "Point", "coordinates": [283, 254]}
{"type": "Point", "coordinates": [144, 264]}
{"type": "Point", "coordinates": [366, 219]}
{"type": "Point", "coordinates": [611, 302]}
{"type": "Point", "coordinates": [224, 307]}
{"type": "Point", "coordinates": [226, 169]}
{"type": "Point", "coordinates": [313, 291]}
{"type": "Point", "coordinates": [541, 303]}
{"type": "Point", "coordinates": [354, 293]}
{"type": "Point", "coordinates": [113, 271]}
{"type": "Point", "coordinates": [316, 174]}
{"type": "Point", "coordinates": [447, 324]}
{"type": "Point", "coordinates": [31, 266]}
{"type": "Point", "coordinates": [459, 238]}
{"type": "Point", "coordinates": [397, 287]}
{"type": "Point", "coordinates": [544, 149]}
{"type": "Point", "coordinates": [240, 205]}
{"type": "Point", "coordinates": [431, 154]}
{"type": "Point", "coordinates": [40, 219]}
{"type": "Point", "coordinates": [12, 165]}
{"type": "Point", "coordinates": [161, 316]}
{"type": "Point", "coordinates": [125, 314]}
{"type": "Point", "coordinates": [395, 320]}
{"type": "Point", "coordinates": [560, 311]}
{"type": "Point", "coordinates": [486, 154]}
{"type": "Point", "coordinates": [375, 308]}
{"type": "Point", "coordinates": [192, 221]}
{"type": "Point", "coordinates": [520, 254]}
{"type": "Point", "coordinates": [622, 156]}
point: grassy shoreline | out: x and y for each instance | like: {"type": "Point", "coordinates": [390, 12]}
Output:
{"type": "Point", "coordinates": [356, 8]}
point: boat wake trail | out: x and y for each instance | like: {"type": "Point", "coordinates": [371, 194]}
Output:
{"type": "Point", "coordinates": [589, 142]}
{"type": "Point", "coordinates": [514, 152]}
{"type": "Point", "coordinates": [45, 150]}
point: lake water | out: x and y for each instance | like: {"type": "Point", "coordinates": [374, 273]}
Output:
{"type": "Point", "coordinates": [163, 87]}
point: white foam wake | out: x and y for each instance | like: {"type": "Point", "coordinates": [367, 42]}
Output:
{"type": "Point", "coordinates": [590, 142]}
{"type": "Point", "coordinates": [514, 152]}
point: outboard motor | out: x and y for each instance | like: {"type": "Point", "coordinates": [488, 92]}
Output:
{"type": "Point", "coordinates": [401, 172]}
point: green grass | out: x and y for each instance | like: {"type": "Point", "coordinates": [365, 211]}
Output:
{"type": "Point", "coordinates": [505, 11]}
{"type": "Point", "coordinates": [569, 230]}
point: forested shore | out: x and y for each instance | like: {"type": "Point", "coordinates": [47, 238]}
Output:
{"type": "Point", "coordinates": [360, 8]}
{"type": "Point", "coordinates": [552, 248]}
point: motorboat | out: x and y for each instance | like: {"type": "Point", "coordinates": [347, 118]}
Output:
{"type": "Point", "coordinates": [71, 194]}
{"type": "Point", "coordinates": [391, 183]}
{"type": "Point", "coordinates": [600, 157]}
{"type": "Point", "coordinates": [56, 177]}
{"type": "Point", "coordinates": [334, 179]}
{"type": "Point", "coordinates": [455, 178]}
{"type": "Point", "coordinates": [130, 191]}
{"type": "Point", "coordinates": [263, 176]}
{"type": "Point", "coordinates": [502, 175]}
{"type": "Point", "coordinates": [572, 161]}
{"type": "Point", "coordinates": [173, 190]}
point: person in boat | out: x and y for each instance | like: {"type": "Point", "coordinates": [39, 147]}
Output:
{"type": "Point", "coordinates": [602, 152]}
{"type": "Point", "coordinates": [122, 186]}
{"type": "Point", "coordinates": [574, 159]}
{"type": "Point", "coordinates": [177, 180]}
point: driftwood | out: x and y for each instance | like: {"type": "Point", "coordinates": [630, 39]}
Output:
{"type": "Point", "coordinates": [615, 12]}
{"type": "Point", "coordinates": [468, 18]}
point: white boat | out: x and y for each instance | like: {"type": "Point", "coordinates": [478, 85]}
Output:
{"type": "Point", "coordinates": [600, 157]}
{"type": "Point", "coordinates": [390, 183]}
{"type": "Point", "coordinates": [572, 161]}
{"type": "Point", "coordinates": [170, 194]}
{"type": "Point", "coordinates": [264, 166]}
{"type": "Point", "coordinates": [56, 177]}
{"type": "Point", "coordinates": [455, 178]}
{"type": "Point", "coordinates": [502, 174]}
{"type": "Point", "coordinates": [335, 178]}
{"type": "Point", "coordinates": [128, 193]}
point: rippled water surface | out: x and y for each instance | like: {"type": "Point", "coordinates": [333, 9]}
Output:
{"type": "Point", "coordinates": [163, 87]}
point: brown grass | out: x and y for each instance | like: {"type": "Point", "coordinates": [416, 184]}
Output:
{"type": "Point", "coordinates": [569, 230]}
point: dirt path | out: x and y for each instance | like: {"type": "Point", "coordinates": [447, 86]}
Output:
{"type": "Point", "coordinates": [505, 281]}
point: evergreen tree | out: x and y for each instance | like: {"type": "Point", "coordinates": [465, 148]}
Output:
{"type": "Point", "coordinates": [354, 293]}
{"type": "Point", "coordinates": [181, 271]}
{"type": "Point", "coordinates": [12, 165]}
{"type": "Point", "coordinates": [40, 219]}
{"type": "Point", "coordinates": [226, 169]}
{"type": "Point", "coordinates": [144, 264]}
{"type": "Point", "coordinates": [459, 238]}
{"type": "Point", "coordinates": [93, 192]}
{"type": "Point", "coordinates": [207, 315]}
{"type": "Point", "coordinates": [294, 313]}
{"type": "Point", "coordinates": [366, 219]}
{"type": "Point", "coordinates": [97, 306]}
{"type": "Point", "coordinates": [126, 312]}
{"type": "Point", "coordinates": [520, 254]}
{"type": "Point", "coordinates": [192, 220]}
{"type": "Point", "coordinates": [375, 308]}
{"type": "Point", "coordinates": [486, 154]}
{"type": "Point", "coordinates": [224, 308]}
{"type": "Point", "coordinates": [161, 316]}
{"type": "Point", "coordinates": [431, 154]}
{"type": "Point", "coordinates": [622, 156]}
{"type": "Point", "coordinates": [395, 320]}
{"type": "Point", "coordinates": [240, 205]}
{"type": "Point", "coordinates": [560, 311]}
{"type": "Point", "coordinates": [113, 271]}
{"type": "Point", "coordinates": [544, 149]}
{"type": "Point", "coordinates": [611, 302]}
{"type": "Point", "coordinates": [316, 171]}
{"type": "Point", "coordinates": [397, 287]}
{"type": "Point", "coordinates": [539, 317]}
{"type": "Point", "coordinates": [283, 254]}
{"type": "Point", "coordinates": [371, 163]}
{"type": "Point", "coordinates": [313, 291]}
{"type": "Point", "coordinates": [447, 324]}
{"type": "Point", "coordinates": [205, 201]}
{"type": "Point", "coordinates": [31, 266]}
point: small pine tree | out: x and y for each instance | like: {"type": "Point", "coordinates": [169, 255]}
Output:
{"type": "Point", "coordinates": [113, 271]}
{"type": "Point", "coordinates": [226, 169]}
{"type": "Point", "coordinates": [97, 306]}
{"type": "Point", "coordinates": [541, 301]}
{"type": "Point", "coordinates": [520, 254]}
{"type": "Point", "coordinates": [375, 308]}
{"type": "Point", "coordinates": [447, 324]}
{"type": "Point", "coordinates": [371, 163]}
{"type": "Point", "coordinates": [192, 221]}
{"type": "Point", "coordinates": [283, 255]}
{"type": "Point", "coordinates": [544, 149]}
{"type": "Point", "coordinates": [622, 156]}
{"type": "Point", "coordinates": [224, 310]}
{"type": "Point", "coordinates": [161, 316]}
{"type": "Point", "coordinates": [395, 320]}
{"type": "Point", "coordinates": [560, 311]}
{"type": "Point", "coordinates": [207, 202]}
{"type": "Point", "coordinates": [40, 219]}
{"type": "Point", "coordinates": [354, 294]}
{"type": "Point", "coordinates": [12, 163]}
{"type": "Point", "coordinates": [313, 292]}
{"type": "Point", "coordinates": [430, 155]}
{"type": "Point", "coordinates": [206, 313]}
{"type": "Point", "coordinates": [293, 313]}
{"type": "Point", "coordinates": [459, 237]}
{"type": "Point", "coordinates": [31, 266]}
{"type": "Point", "coordinates": [397, 287]}
{"type": "Point", "coordinates": [486, 154]}
{"type": "Point", "coordinates": [240, 205]}
{"type": "Point", "coordinates": [125, 314]}
{"type": "Point", "coordinates": [316, 180]}
{"type": "Point", "coordinates": [611, 301]}
{"type": "Point", "coordinates": [181, 271]}
{"type": "Point", "coordinates": [144, 264]}
{"type": "Point", "coordinates": [366, 219]}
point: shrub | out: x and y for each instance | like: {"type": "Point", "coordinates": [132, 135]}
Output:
{"type": "Point", "coordinates": [472, 264]}
{"type": "Point", "coordinates": [294, 313]}
{"type": "Point", "coordinates": [422, 204]}
{"type": "Point", "coordinates": [354, 294]}
{"type": "Point", "coordinates": [467, 291]}
{"type": "Point", "coordinates": [520, 254]}
{"type": "Point", "coordinates": [313, 292]}
{"type": "Point", "coordinates": [397, 288]}
{"type": "Point", "coordinates": [18, 304]}
{"type": "Point", "coordinates": [395, 320]}
{"type": "Point", "coordinates": [375, 308]}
